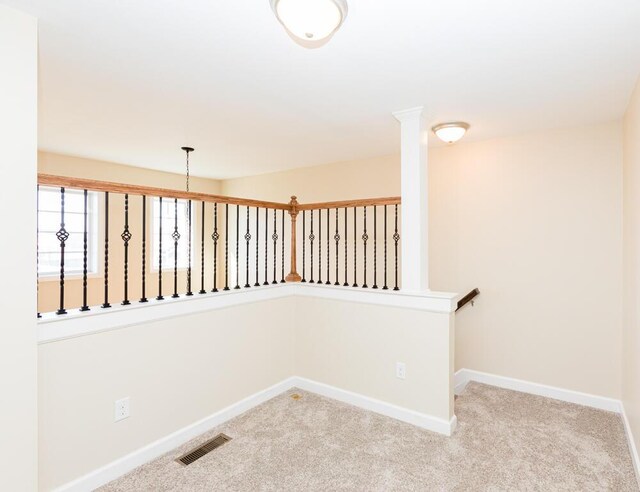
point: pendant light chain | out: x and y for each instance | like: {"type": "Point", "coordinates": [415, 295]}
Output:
{"type": "Point", "coordinates": [187, 150]}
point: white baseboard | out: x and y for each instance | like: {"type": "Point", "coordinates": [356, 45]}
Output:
{"type": "Point", "coordinates": [123, 465]}
{"type": "Point", "coordinates": [632, 444]}
{"type": "Point", "coordinates": [117, 468]}
{"type": "Point", "coordinates": [425, 421]}
{"type": "Point", "coordinates": [463, 376]}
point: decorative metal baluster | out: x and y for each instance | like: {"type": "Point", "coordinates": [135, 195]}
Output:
{"type": "Point", "coordinates": [375, 247]}
{"type": "Point", "coordinates": [160, 296]}
{"type": "Point", "coordinates": [215, 236]}
{"type": "Point", "coordinates": [282, 280]}
{"type": "Point", "coordinates": [365, 238]}
{"type": "Point", "coordinates": [202, 291]}
{"type": "Point", "coordinates": [247, 238]}
{"type": "Point", "coordinates": [385, 287]}
{"type": "Point", "coordinates": [226, 247]}
{"type": "Point", "coordinates": [176, 238]}
{"type": "Point", "coordinates": [311, 238]}
{"type": "Point", "coordinates": [62, 236]}
{"type": "Point", "coordinates": [346, 255]}
{"type": "Point", "coordinates": [355, 248]}
{"type": "Point", "coordinates": [237, 247]}
{"type": "Point", "coordinates": [126, 237]}
{"type": "Point", "coordinates": [304, 243]}
{"type": "Point", "coordinates": [337, 239]}
{"type": "Point", "coordinates": [257, 284]}
{"type": "Point", "coordinates": [189, 292]}
{"type": "Point", "coordinates": [319, 246]}
{"type": "Point", "coordinates": [266, 246]}
{"type": "Point", "coordinates": [85, 238]}
{"type": "Point", "coordinates": [396, 238]}
{"type": "Point", "coordinates": [275, 243]}
{"type": "Point", "coordinates": [144, 249]}
{"type": "Point", "coordinates": [328, 282]}
{"type": "Point", "coordinates": [106, 304]}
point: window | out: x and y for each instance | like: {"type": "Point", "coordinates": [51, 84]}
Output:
{"type": "Point", "coordinates": [168, 226]}
{"type": "Point", "coordinates": [49, 225]}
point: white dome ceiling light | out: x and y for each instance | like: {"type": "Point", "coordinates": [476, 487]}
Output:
{"type": "Point", "coordinates": [310, 23]}
{"type": "Point", "coordinates": [451, 132]}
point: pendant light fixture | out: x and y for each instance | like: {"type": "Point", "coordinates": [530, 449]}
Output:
{"type": "Point", "coordinates": [451, 132]}
{"type": "Point", "coordinates": [310, 23]}
{"type": "Point", "coordinates": [187, 150]}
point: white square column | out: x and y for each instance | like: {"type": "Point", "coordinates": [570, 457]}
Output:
{"type": "Point", "coordinates": [414, 234]}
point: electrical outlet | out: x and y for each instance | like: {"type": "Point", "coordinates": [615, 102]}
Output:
{"type": "Point", "coordinates": [401, 370]}
{"type": "Point", "coordinates": [121, 408]}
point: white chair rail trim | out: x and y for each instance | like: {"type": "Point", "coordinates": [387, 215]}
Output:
{"type": "Point", "coordinates": [52, 327]}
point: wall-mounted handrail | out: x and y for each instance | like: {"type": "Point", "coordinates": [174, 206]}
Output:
{"type": "Point", "coordinates": [467, 299]}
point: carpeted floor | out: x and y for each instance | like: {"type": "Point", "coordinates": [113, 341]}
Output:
{"type": "Point", "coordinates": [505, 440]}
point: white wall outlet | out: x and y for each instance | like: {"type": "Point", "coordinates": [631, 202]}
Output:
{"type": "Point", "coordinates": [401, 370]}
{"type": "Point", "coordinates": [121, 408]}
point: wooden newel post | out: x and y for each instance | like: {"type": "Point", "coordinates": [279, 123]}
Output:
{"type": "Point", "coordinates": [293, 212]}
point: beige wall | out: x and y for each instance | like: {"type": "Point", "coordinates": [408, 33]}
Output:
{"type": "Point", "coordinates": [631, 332]}
{"type": "Point", "coordinates": [18, 137]}
{"type": "Point", "coordinates": [62, 165]}
{"type": "Point", "coordinates": [535, 222]}
{"type": "Point", "coordinates": [180, 370]}
{"type": "Point", "coordinates": [356, 346]}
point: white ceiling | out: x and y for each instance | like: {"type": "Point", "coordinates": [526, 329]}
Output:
{"type": "Point", "coordinates": [132, 81]}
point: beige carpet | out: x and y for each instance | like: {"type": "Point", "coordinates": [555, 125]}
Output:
{"type": "Point", "coordinates": [504, 441]}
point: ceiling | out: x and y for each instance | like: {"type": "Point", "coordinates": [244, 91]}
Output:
{"type": "Point", "coordinates": [133, 81]}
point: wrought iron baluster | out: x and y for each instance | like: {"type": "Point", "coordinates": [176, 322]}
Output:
{"type": "Point", "coordinates": [106, 251]}
{"type": "Point", "coordinates": [311, 239]}
{"type": "Point", "coordinates": [257, 284]}
{"type": "Point", "coordinates": [346, 255]}
{"type": "Point", "coordinates": [62, 236]}
{"type": "Point", "coordinates": [176, 238]}
{"type": "Point", "coordinates": [160, 296]}
{"type": "Point", "coordinates": [144, 249]}
{"type": "Point", "coordinates": [275, 244]}
{"type": "Point", "coordinates": [304, 242]}
{"type": "Point", "coordinates": [126, 237]}
{"type": "Point", "coordinates": [385, 287]}
{"type": "Point", "coordinates": [247, 238]}
{"type": "Point", "coordinates": [328, 282]}
{"type": "Point", "coordinates": [365, 238]}
{"type": "Point", "coordinates": [355, 247]}
{"type": "Point", "coordinates": [266, 246]}
{"type": "Point", "coordinates": [85, 238]}
{"type": "Point", "coordinates": [189, 292]}
{"type": "Point", "coordinates": [237, 247]}
{"type": "Point", "coordinates": [375, 247]}
{"type": "Point", "coordinates": [337, 239]}
{"type": "Point", "coordinates": [202, 291]}
{"type": "Point", "coordinates": [319, 246]}
{"type": "Point", "coordinates": [215, 236]}
{"type": "Point", "coordinates": [282, 280]}
{"type": "Point", "coordinates": [226, 247]}
{"type": "Point", "coordinates": [396, 238]}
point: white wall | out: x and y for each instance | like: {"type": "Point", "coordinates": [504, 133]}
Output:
{"type": "Point", "coordinates": [534, 221]}
{"type": "Point", "coordinates": [180, 370]}
{"type": "Point", "coordinates": [631, 332]}
{"type": "Point", "coordinates": [18, 140]}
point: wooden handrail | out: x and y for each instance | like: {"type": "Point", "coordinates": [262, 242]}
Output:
{"type": "Point", "coordinates": [94, 185]}
{"type": "Point", "coordinates": [365, 202]}
{"type": "Point", "coordinates": [468, 298]}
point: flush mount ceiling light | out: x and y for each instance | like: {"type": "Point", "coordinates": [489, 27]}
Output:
{"type": "Point", "coordinates": [451, 132]}
{"type": "Point", "coordinates": [310, 23]}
